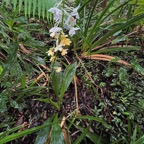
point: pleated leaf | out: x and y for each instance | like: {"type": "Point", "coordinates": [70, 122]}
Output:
{"type": "Point", "coordinates": [67, 78]}
{"type": "Point", "coordinates": [43, 133]}
{"type": "Point", "coordinates": [56, 133]}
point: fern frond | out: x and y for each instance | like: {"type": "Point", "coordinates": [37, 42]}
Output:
{"type": "Point", "coordinates": [33, 7]}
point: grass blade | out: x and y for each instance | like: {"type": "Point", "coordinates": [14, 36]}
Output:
{"type": "Point", "coordinates": [22, 133]}
{"type": "Point", "coordinates": [123, 26]}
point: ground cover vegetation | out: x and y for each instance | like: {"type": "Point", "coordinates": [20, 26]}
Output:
{"type": "Point", "coordinates": [71, 71]}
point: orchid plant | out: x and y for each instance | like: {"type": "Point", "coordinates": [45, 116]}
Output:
{"type": "Point", "coordinates": [65, 19]}
{"type": "Point", "coordinates": [64, 28]}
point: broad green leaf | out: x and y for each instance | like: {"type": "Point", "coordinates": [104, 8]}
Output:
{"type": "Point", "coordinates": [95, 119]}
{"type": "Point", "coordinates": [56, 133]}
{"type": "Point", "coordinates": [22, 133]}
{"type": "Point", "coordinates": [1, 69]}
{"type": "Point", "coordinates": [68, 76]}
{"type": "Point", "coordinates": [23, 81]}
{"type": "Point", "coordinates": [43, 133]}
{"type": "Point", "coordinates": [3, 106]}
{"type": "Point", "coordinates": [138, 68]}
{"type": "Point", "coordinates": [14, 104]}
{"type": "Point", "coordinates": [56, 79]}
{"type": "Point", "coordinates": [140, 140]}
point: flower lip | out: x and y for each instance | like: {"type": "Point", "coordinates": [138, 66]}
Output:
{"type": "Point", "coordinates": [65, 41]}
{"type": "Point", "coordinates": [64, 52]}
{"type": "Point", "coordinates": [58, 69]}
{"type": "Point", "coordinates": [58, 48]}
{"type": "Point", "coordinates": [55, 29]}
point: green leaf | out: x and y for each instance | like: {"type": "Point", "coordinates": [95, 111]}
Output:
{"type": "Point", "coordinates": [56, 79]}
{"type": "Point", "coordinates": [138, 68]}
{"type": "Point", "coordinates": [122, 74]}
{"type": "Point", "coordinates": [133, 138]}
{"type": "Point", "coordinates": [121, 27]}
{"type": "Point", "coordinates": [117, 49]}
{"type": "Point", "coordinates": [96, 139]}
{"type": "Point", "coordinates": [49, 101]}
{"type": "Point", "coordinates": [3, 106]}
{"type": "Point", "coordinates": [67, 78]}
{"type": "Point", "coordinates": [7, 132]}
{"type": "Point", "coordinates": [140, 140]}
{"type": "Point", "coordinates": [22, 133]}
{"type": "Point", "coordinates": [56, 133]}
{"type": "Point", "coordinates": [14, 104]}
{"type": "Point", "coordinates": [1, 69]}
{"type": "Point", "coordinates": [82, 136]}
{"type": "Point", "coordinates": [23, 81]}
{"type": "Point", "coordinates": [100, 19]}
{"type": "Point", "coordinates": [95, 119]}
{"type": "Point", "coordinates": [43, 133]}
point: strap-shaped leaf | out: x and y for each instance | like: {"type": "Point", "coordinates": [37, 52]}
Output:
{"type": "Point", "coordinates": [82, 136]}
{"type": "Point", "coordinates": [22, 133]}
{"type": "Point", "coordinates": [95, 119]}
{"type": "Point", "coordinates": [121, 27]}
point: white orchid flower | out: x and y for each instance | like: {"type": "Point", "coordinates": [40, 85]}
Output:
{"type": "Point", "coordinates": [73, 30]}
{"type": "Point", "coordinates": [75, 13]}
{"type": "Point", "coordinates": [54, 31]}
{"type": "Point", "coordinates": [57, 13]}
{"type": "Point", "coordinates": [58, 48]}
